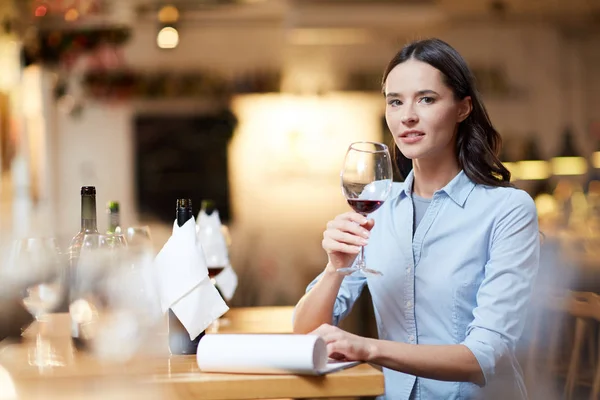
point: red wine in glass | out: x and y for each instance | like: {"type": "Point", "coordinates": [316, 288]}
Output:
{"type": "Point", "coordinates": [366, 180]}
{"type": "Point", "coordinates": [364, 207]}
{"type": "Point", "coordinates": [214, 271]}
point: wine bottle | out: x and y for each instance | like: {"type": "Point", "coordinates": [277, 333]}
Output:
{"type": "Point", "coordinates": [114, 223]}
{"type": "Point", "coordinates": [208, 206]}
{"type": "Point", "coordinates": [88, 227]}
{"type": "Point", "coordinates": [179, 339]}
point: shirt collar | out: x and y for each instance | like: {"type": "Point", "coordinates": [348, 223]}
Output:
{"type": "Point", "coordinates": [458, 189]}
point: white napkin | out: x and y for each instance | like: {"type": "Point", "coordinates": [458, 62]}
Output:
{"type": "Point", "coordinates": [212, 240]}
{"type": "Point", "coordinates": [183, 281]}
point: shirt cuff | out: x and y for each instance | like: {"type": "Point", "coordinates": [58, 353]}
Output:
{"type": "Point", "coordinates": [487, 347]}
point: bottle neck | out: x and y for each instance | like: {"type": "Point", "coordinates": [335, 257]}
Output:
{"type": "Point", "coordinates": [183, 216]}
{"type": "Point", "coordinates": [113, 222]}
{"type": "Point", "coordinates": [207, 206]}
{"type": "Point", "coordinates": [88, 214]}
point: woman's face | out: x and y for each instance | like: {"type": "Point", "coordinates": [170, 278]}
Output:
{"type": "Point", "coordinates": [422, 112]}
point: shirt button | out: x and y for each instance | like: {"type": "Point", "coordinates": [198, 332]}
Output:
{"type": "Point", "coordinates": [411, 338]}
{"type": "Point", "coordinates": [408, 270]}
{"type": "Point", "coordinates": [409, 303]}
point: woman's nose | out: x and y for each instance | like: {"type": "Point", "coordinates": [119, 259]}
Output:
{"type": "Point", "coordinates": [409, 118]}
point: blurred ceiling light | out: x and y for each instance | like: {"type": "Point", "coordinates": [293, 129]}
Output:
{"type": "Point", "coordinates": [168, 14]}
{"type": "Point", "coordinates": [569, 165]}
{"type": "Point", "coordinates": [71, 15]}
{"type": "Point", "coordinates": [327, 36]}
{"type": "Point", "coordinates": [596, 159]}
{"type": "Point", "coordinates": [168, 38]}
{"type": "Point", "coordinates": [531, 170]}
{"type": "Point", "coordinates": [533, 167]}
{"type": "Point", "coordinates": [41, 11]}
{"type": "Point", "coordinates": [513, 168]}
{"type": "Point", "coordinates": [568, 161]}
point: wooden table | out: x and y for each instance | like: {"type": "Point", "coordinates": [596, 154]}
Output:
{"type": "Point", "coordinates": [257, 320]}
{"type": "Point", "coordinates": [161, 377]}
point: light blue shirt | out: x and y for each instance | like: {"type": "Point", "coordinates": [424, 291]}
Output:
{"type": "Point", "coordinates": [464, 278]}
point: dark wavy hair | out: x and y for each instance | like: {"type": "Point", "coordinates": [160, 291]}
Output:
{"type": "Point", "coordinates": [478, 144]}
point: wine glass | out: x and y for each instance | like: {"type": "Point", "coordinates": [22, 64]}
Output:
{"type": "Point", "coordinates": [92, 261]}
{"type": "Point", "coordinates": [366, 180]}
{"type": "Point", "coordinates": [139, 235]}
{"type": "Point", "coordinates": [210, 234]}
{"type": "Point", "coordinates": [39, 272]}
{"type": "Point", "coordinates": [131, 313]}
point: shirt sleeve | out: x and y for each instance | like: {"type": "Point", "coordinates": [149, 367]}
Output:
{"type": "Point", "coordinates": [349, 292]}
{"type": "Point", "coordinates": [503, 297]}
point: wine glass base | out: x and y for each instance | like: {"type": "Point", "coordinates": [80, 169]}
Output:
{"type": "Point", "coordinates": [366, 271]}
{"type": "Point", "coordinates": [369, 271]}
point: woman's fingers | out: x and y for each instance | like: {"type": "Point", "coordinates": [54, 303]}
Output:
{"type": "Point", "coordinates": [331, 245]}
{"type": "Point", "coordinates": [345, 237]}
{"type": "Point", "coordinates": [347, 226]}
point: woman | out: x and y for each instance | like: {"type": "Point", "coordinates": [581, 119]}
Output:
{"type": "Point", "coordinates": [457, 245]}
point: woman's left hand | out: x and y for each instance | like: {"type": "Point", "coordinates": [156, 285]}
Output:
{"type": "Point", "coordinates": [342, 345]}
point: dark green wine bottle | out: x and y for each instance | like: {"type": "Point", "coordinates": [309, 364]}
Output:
{"type": "Point", "coordinates": [179, 339]}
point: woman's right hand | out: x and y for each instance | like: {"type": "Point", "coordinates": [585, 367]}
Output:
{"type": "Point", "coordinates": [344, 237]}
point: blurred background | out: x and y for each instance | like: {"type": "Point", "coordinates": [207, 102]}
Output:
{"type": "Point", "coordinates": [252, 103]}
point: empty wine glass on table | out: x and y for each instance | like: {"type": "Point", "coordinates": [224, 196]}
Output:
{"type": "Point", "coordinates": [38, 270]}
{"type": "Point", "coordinates": [130, 312]}
{"type": "Point", "coordinates": [366, 181]}
{"type": "Point", "coordinates": [92, 259]}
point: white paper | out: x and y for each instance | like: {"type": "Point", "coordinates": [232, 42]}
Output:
{"type": "Point", "coordinates": [266, 354]}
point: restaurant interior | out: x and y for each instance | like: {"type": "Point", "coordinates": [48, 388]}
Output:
{"type": "Point", "coordinates": [247, 107]}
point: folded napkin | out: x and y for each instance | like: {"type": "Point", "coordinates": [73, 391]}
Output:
{"type": "Point", "coordinates": [214, 246]}
{"type": "Point", "coordinates": [227, 282]}
{"type": "Point", "coordinates": [183, 282]}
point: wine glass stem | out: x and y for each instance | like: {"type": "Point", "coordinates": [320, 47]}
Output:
{"type": "Point", "coordinates": [361, 260]}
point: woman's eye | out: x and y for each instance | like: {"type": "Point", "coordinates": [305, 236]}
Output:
{"type": "Point", "coordinates": [427, 100]}
{"type": "Point", "coordinates": [394, 102]}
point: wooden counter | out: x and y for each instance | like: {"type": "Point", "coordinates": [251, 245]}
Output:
{"type": "Point", "coordinates": [162, 377]}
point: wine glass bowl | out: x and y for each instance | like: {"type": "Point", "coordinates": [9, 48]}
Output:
{"type": "Point", "coordinates": [366, 181]}
{"type": "Point", "coordinates": [139, 235]}
{"type": "Point", "coordinates": [40, 271]}
{"type": "Point", "coordinates": [37, 269]}
{"type": "Point", "coordinates": [93, 261]}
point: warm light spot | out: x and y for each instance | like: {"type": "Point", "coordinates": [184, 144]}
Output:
{"type": "Point", "coordinates": [533, 170]}
{"type": "Point", "coordinates": [168, 14]}
{"type": "Point", "coordinates": [168, 38]}
{"type": "Point", "coordinates": [71, 15]}
{"type": "Point", "coordinates": [596, 159]}
{"type": "Point", "coordinates": [545, 204]}
{"type": "Point", "coordinates": [41, 11]}
{"type": "Point", "coordinates": [569, 166]}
